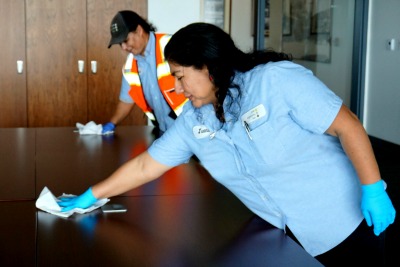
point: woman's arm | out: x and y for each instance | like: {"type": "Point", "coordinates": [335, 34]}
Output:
{"type": "Point", "coordinates": [376, 205]}
{"type": "Point", "coordinates": [356, 144]}
{"type": "Point", "coordinates": [132, 174]}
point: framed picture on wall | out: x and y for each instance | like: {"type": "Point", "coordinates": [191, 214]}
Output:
{"type": "Point", "coordinates": [217, 12]}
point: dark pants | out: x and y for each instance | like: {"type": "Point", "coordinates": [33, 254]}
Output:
{"type": "Point", "coordinates": [362, 248]}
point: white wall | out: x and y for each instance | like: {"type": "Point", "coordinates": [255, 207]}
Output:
{"type": "Point", "coordinates": [170, 15]}
{"type": "Point", "coordinates": [382, 90]}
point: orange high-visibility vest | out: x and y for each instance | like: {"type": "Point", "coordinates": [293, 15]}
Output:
{"type": "Point", "coordinates": [164, 77]}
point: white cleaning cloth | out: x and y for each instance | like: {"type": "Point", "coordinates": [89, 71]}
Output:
{"type": "Point", "coordinates": [48, 202]}
{"type": "Point", "coordinates": [89, 128]}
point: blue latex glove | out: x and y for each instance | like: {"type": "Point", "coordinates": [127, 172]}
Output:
{"type": "Point", "coordinates": [108, 128]}
{"type": "Point", "coordinates": [83, 201]}
{"type": "Point", "coordinates": [377, 207]}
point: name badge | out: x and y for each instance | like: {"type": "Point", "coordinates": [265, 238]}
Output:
{"type": "Point", "coordinates": [201, 131]}
{"type": "Point", "coordinates": [254, 114]}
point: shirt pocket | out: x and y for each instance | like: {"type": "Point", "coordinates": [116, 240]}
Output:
{"type": "Point", "coordinates": [266, 144]}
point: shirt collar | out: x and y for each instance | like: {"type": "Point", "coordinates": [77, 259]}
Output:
{"type": "Point", "coordinates": [150, 47]}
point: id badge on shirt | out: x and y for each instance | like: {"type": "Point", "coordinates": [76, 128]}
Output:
{"type": "Point", "coordinates": [254, 114]}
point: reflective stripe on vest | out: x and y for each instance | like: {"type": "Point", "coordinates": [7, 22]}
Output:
{"type": "Point", "coordinates": [165, 80]}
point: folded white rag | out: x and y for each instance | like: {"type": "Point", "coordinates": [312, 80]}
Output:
{"type": "Point", "coordinates": [48, 203]}
{"type": "Point", "coordinates": [89, 128]}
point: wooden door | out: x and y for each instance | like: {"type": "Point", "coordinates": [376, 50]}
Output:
{"type": "Point", "coordinates": [56, 40]}
{"type": "Point", "coordinates": [12, 48]}
{"type": "Point", "coordinates": [104, 86]}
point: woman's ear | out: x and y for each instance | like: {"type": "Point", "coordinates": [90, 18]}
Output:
{"type": "Point", "coordinates": [139, 30]}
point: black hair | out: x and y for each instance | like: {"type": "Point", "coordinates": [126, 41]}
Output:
{"type": "Point", "coordinates": [202, 44]}
{"type": "Point", "coordinates": [132, 20]}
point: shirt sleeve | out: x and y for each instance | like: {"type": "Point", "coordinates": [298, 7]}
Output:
{"type": "Point", "coordinates": [311, 104]}
{"type": "Point", "coordinates": [124, 92]}
{"type": "Point", "coordinates": [173, 147]}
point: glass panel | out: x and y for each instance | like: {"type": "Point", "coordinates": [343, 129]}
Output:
{"type": "Point", "coordinates": [319, 35]}
{"type": "Point", "coordinates": [310, 38]}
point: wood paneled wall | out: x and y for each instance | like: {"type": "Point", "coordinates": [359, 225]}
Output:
{"type": "Point", "coordinates": [51, 36]}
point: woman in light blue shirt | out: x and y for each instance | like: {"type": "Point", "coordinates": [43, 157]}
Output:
{"type": "Point", "coordinates": [290, 150]}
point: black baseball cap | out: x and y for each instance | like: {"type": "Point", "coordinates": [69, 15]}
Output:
{"type": "Point", "coordinates": [122, 24]}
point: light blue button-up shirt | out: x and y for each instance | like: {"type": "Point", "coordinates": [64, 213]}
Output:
{"type": "Point", "coordinates": [284, 167]}
{"type": "Point", "coordinates": [148, 78]}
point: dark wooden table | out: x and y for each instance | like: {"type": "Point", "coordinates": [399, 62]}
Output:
{"type": "Point", "coordinates": [17, 164]}
{"type": "Point", "coordinates": [184, 218]}
{"type": "Point", "coordinates": [18, 233]}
